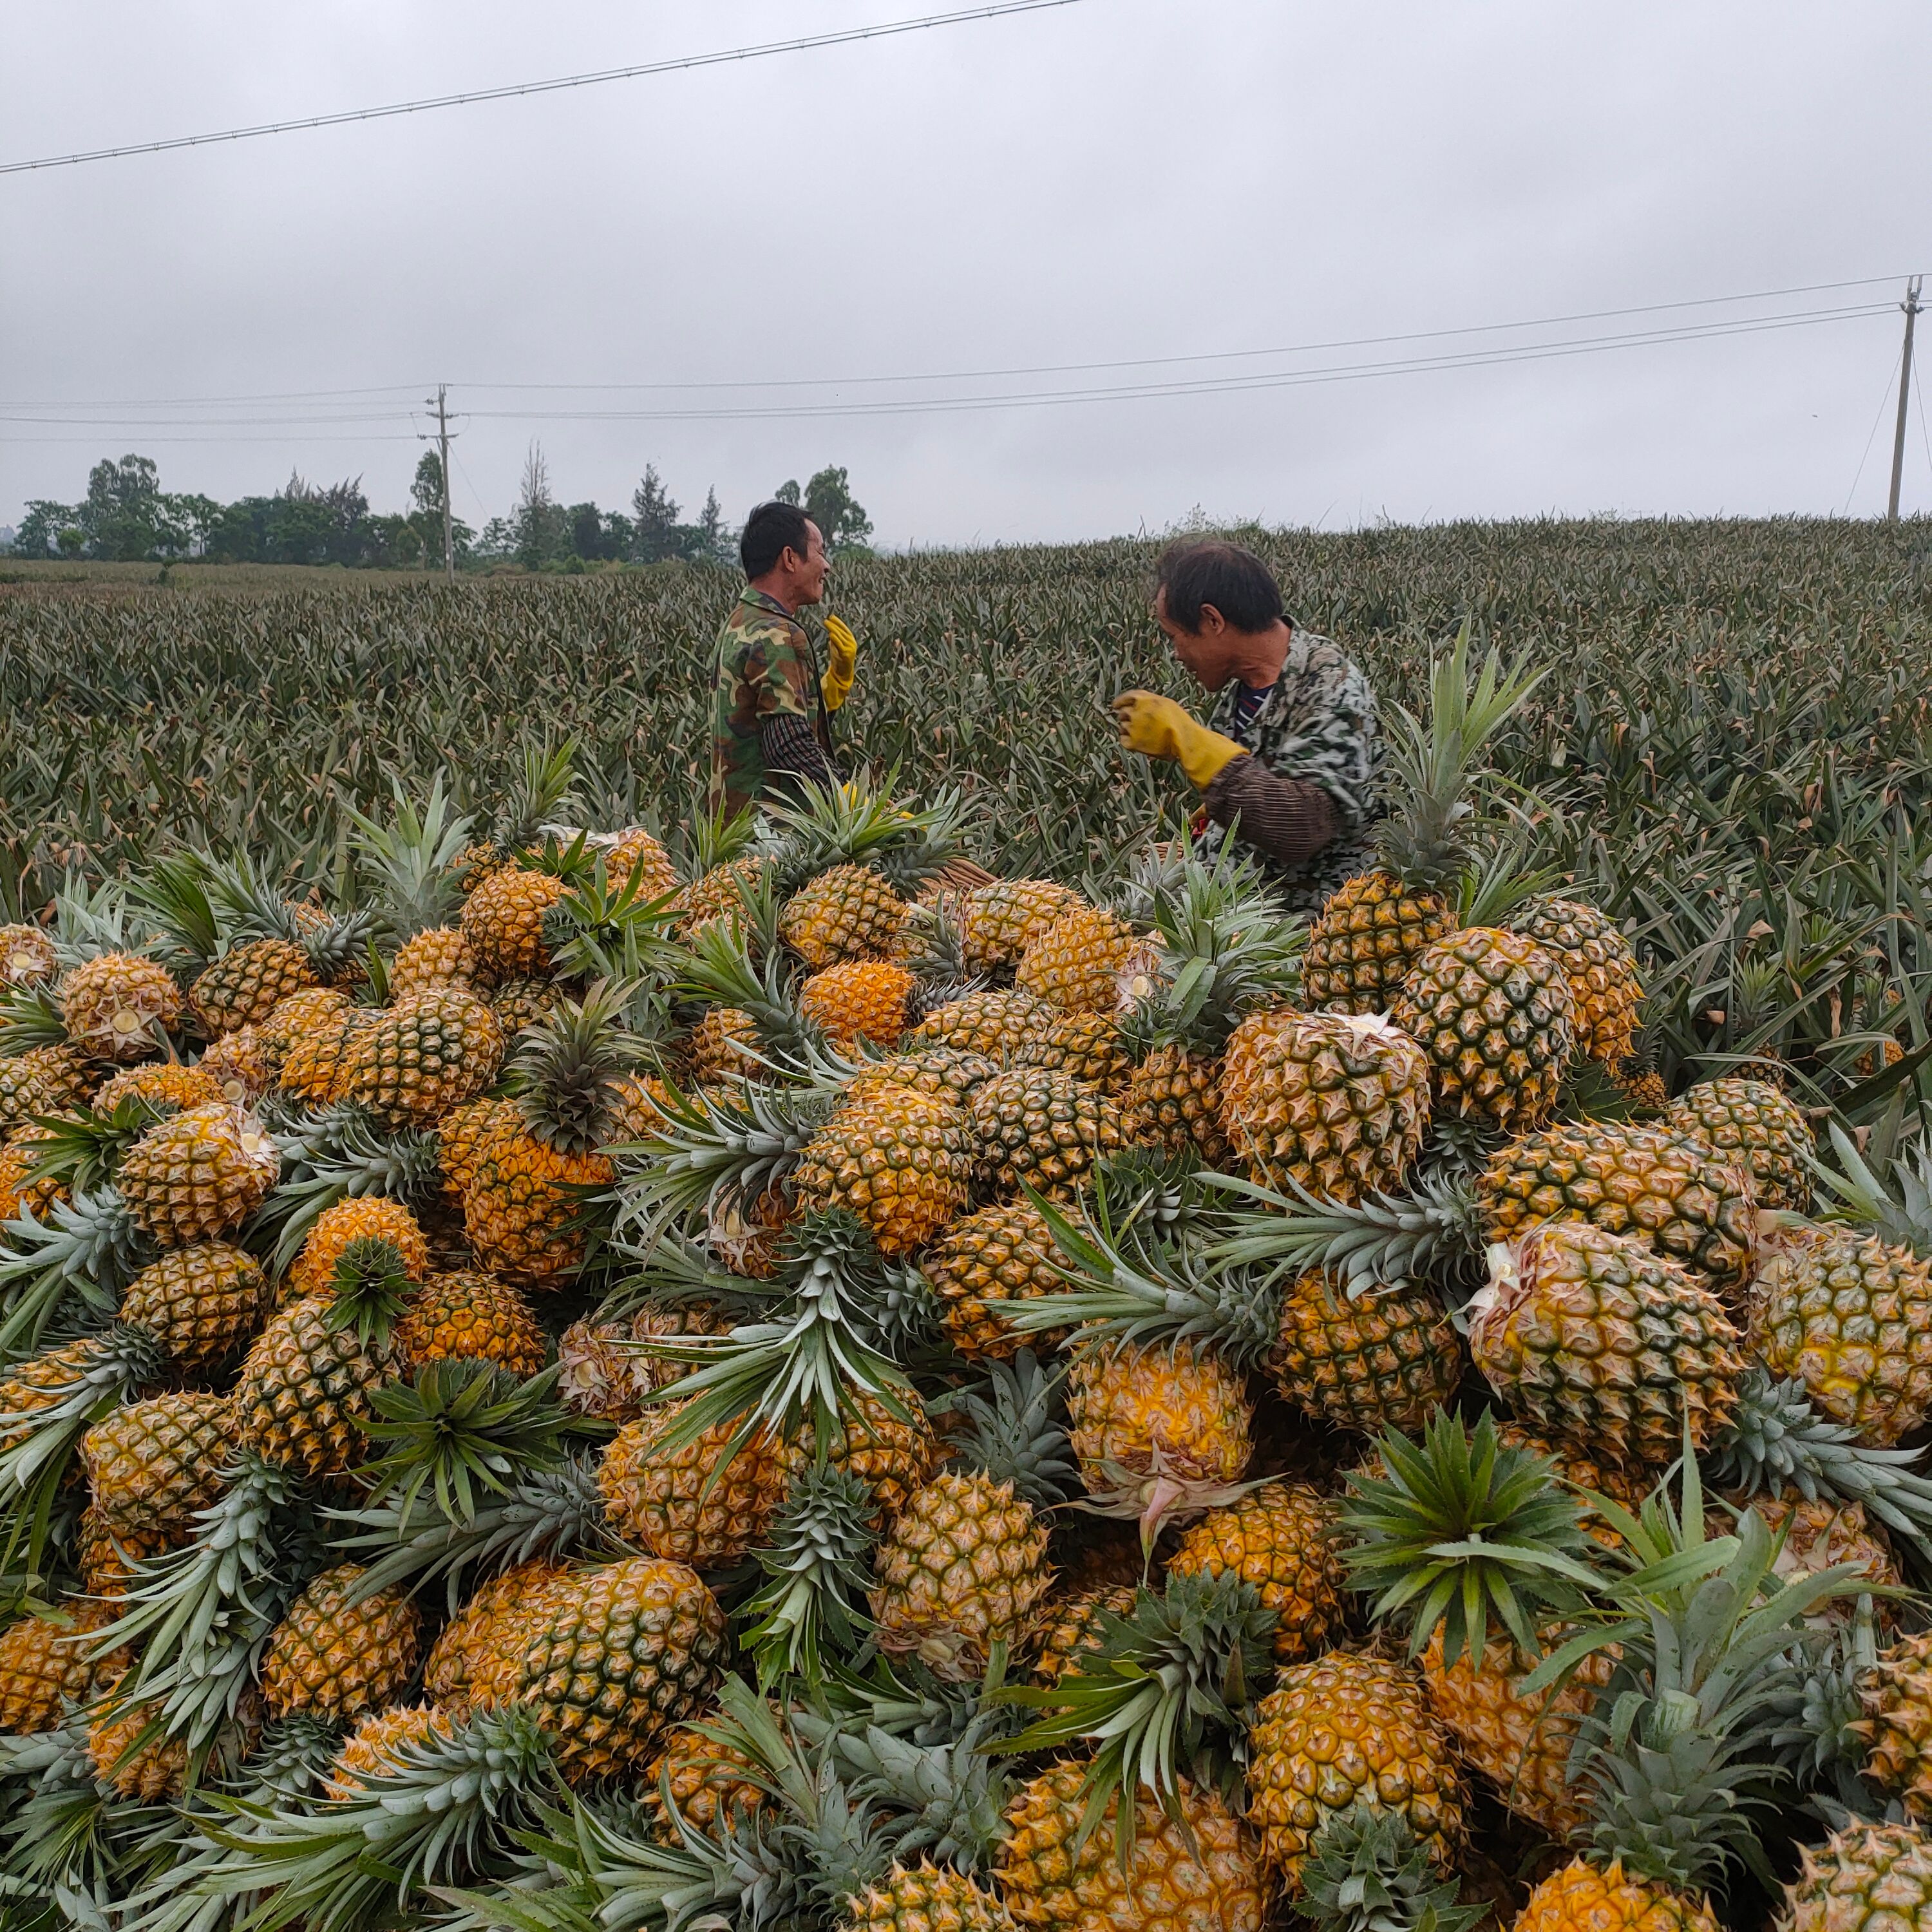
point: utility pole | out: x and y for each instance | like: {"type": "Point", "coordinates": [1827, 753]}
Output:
{"type": "Point", "coordinates": [1910, 305]}
{"type": "Point", "coordinates": [441, 406]}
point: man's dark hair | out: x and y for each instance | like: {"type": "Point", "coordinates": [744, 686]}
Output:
{"type": "Point", "coordinates": [1235, 581]}
{"type": "Point", "coordinates": [770, 530]}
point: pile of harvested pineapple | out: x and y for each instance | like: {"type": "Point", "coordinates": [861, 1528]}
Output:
{"type": "Point", "coordinates": [803, 1389]}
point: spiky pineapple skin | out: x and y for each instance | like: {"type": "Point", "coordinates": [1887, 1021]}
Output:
{"type": "Point", "coordinates": [1002, 1253]}
{"type": "Point", "coordinates": [303, 1390]}
{"type": "Point", "coordinates": [1494, 1013]}
{"type": "Point", "coordinates": [151, 1464]}
{"type": "Point", "coordinates": [713, 1784]}
{"type": "Point", "coordinates": [519, 1003]}
{"type": "Point", "coordinates": [105, 1557]}
{"type": "Point", "coordinates": [1088, 1045]}
{"type": "Point", "coordinates": [1343, 1730]}
{"type": "Point", "coordinates": [1752, 1125]}
{"type": "Point", "coordinates": [1282, 1538]}
{"type": "Point", "coordinates": [691, 1505]}
{"type": "Point", "coordinates": [433, 1049]}
{"type": "Point", "coordinates": [997, 922]}
{"type": "Point", "coordinates": [1195, 1872]}
{"type": "Point", "coordinates": [366, 1217]}
{"type": "Point", "coordinates": [373, 1748]}
{"type": "Point", "coordinates": [1069, 1629]}
{"type": "Point", "coordinates": [858, 999]}
{"type": "Point", "coordinates": [1172, 1101]}
{"type": "Point", "coordinates": [1603, 1345]}
{"type": "Point", "coordinates": [962, 1568]}
{"type": "Point", "coordinates": [43, 1665]}
{"type": "Point", "coordinates": [719, 895]}
{"type": "Point", "coordinates": [1600, 965]}
{"type": "Point", "coordinates": [43, 1080]}
{"type": "Point", "coordinates": [246, 984]}
{"type": "Point", "coordinates": [338, 1657]}
{"type": "Point", "coordinates": [520, 1200]}
{"type": "Point", "coordinates": [1852, 1318]}
{"type": "Point", "coordinates": [636, 855]}
{"type": "Point", "coordinates": [163, 1085]}
{"type": "Point", "coordinates": [1372, 930]}
{"type": "Point", "coordinates": [1033, 1128]}
{"type": "Point", "coordinates": [995, 1024]}
{"type": "Point", "coordinates": [1819, 1533]}
{"type": "Point", "coordinates": [468, 1316]}
{"type": "Point", "coordinates": [1867, 1878]}
{"type": "Point", "coordinates": [1337, 1105]}
{"type": "Point", "coordinates": [901, 1161]}
{"type": "Point", "coordinates": [1582, 1898]}
{"type": "Point", "coordinates": [1072, 964]}
{"type": "Point", "coordinates": [1179, 1412]}
{"type": "Point", "coordinates": [471, 1646]}
{"type": "Point", "coordinates": [27, 956]}
{"type": "Point", "coordinates": [315, 1060]}
{"type": "Point", "coordinates": [1385, 1360]}
{"type": "Point", "coordinates": [111, 1006]}
{"type": "Point", "coordinates": [924, 1897]}
{"type": "Point", "coordinates": [1626, 1180]}
{"type": "Point", "coordinates": [200, 1303]}
{"type": "Point", "coordinates": [623, 1652]}
{"type": "Point", "coordinates": [202, 1172]}
{"type": "Point", "coordinates": [438, 953]}
{"type": "Point", "coordinates": [460, 1135]}
{"type": "Point", "coordinates": [147, 1773]}
{"type": "Point", "coordinates": [848, 912]}
{"type": "Point", "coordinates": [20, 1192]}
{"type": "Point", "coordinates": [945, 1072]}
{"type": "Point", "coordinates": [502, 919]}
{"type": "Point", "coordinates": [894, 1455]}
{"type": "Point", "coordinates": [1897, 1726]}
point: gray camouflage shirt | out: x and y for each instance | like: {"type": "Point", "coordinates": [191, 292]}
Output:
{"type": "Point", "coordinates": [1318, 725]}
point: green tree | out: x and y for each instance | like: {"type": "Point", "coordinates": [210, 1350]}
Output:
{"type": "Point", "coordinates": [657, 534]}
{"type": "Point", "coordinates": [828, 501]}
{"type": "Point", "coordinates": [542, 528]}
{"type": "Point", "coordinates": [426, 491]}
{"type": "Point", "coordinates": [717, 542]}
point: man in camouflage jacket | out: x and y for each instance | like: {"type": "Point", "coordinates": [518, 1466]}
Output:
{"type": "Point", "coordinates": [771, 707]}
{"type": "Point", "coordinates": [1291, 755]}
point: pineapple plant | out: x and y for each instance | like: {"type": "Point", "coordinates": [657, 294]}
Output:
{"type": "Point", "coordinates": [1583, 1896]}
{"type": "Point", "coordinates": [237, 1067]}
{"type": "Point", "coordinates": [1373, 930]}
{"type": "Point", "coordinates": [1041, 1130]}
{"type": "Point", "coordinates": [945, 1072]}
{"type": "Point", "coordinates": [858, 999]}
{"type": "Point", "coordinates": [891, 1449]}
{"type": "Point", "coordinates": [898, 1160]}
{"type": "Point", "coordinates": [153, 1465]}
{"type": "Point", "coordinates": [1379, 1361]}
{"type": "Point", "coordinates": [846, 914]}
{"type": "Point", "coordinates": [369, 1217]}
{"type": "Point", "coordinates": [1600, 966]}
{"type": "Point", "coordinates": [438, 954]}
{"type": "Point", "coordinates": [472, 1646]}
{"type": "Point", "coordinates": [431, 1051]}
{"type": "Point", "coordinates": [200, 1173]}
{"type": "Point", "coordinates": [1335, 1105]}
{"type": "Point", "coordinates": [467, 1316]}
{"type": "Point", "coordinates": [1281, 1538]}
{"type": "Point", "coordinates": [304, 1392]}
{"type": "Point", "coordinates": [502, 919]}
{"type": "Point", "coordinates": [1073, 963]}
{"type": "Point", "coordinates": [1089, 1046]}
{"type": "Point", "coordinates": [200, 1303]}
{"type": "Point", "coordinates": [1751, 1125]}
{"type": "Point", "coordinates": [996, 1254]}
{"type": "Point", "coordinates": [999, 922]}
{"type": "Point", "coordinates": [1897, 1697]}
{"type": "Point", "coordinates": [1494, 1014]}
{"type": "Point", "coordinates": [118, 1006]}
{"type": "Point", "coordinates": [129, 1753]}
{"type": "Point", "coordinates": [993, 1024]}
{"type": "Point", "coordinates": [339, 1654]}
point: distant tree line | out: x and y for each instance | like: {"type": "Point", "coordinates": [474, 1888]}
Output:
{"type": "Point", "coordinates": [127, 516]}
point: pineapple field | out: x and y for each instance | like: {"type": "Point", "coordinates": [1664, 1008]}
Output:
{"type": "Point", "coordinates": [936, 1361]}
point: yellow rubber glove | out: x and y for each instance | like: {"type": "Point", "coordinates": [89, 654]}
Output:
{"type": "Point", "coordinates": [1158, 728]}
{"type": "Point", "coordinates": [841, 664]}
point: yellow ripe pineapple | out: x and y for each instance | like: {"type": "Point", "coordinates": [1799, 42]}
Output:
{"type": "Point", "coordinates": [117, 1006]}
{"type": "Point", "coordinates": [503, 921]}
{"type": "Point", "coordinates": [1158, 1430]}
{"type": "Point", "coordinates": [46, 1663]}
{"type": "Point", "coordinates": [43, 1080]}
{"type": "Point", "coordinates": [317, 1062]}
{"type": "Point", "coordinates": [1581, 1897]}
{"type": "Point", "coordinates": [720, 894]}
{"type": "Point", "coordinates": [922, 1898]}
{"type": "Point", "coordinates": [1281, 1537]}
{"type": "Point", "coordinates": [691, 1505]}
{"type": "Point", "coordinates": [470, 1648]}
{"type": "Point", "coordinates": [1591, 1338]}
{"type": "Point", "coordinates": [298, 1016]}
{"type": "Point", "coordinates": [147, 1768]}
{"type": "Point", "coordinates": [374, 1747]}
{"type": "Point", "coordinates": [21, 1192]}
{"type": "Point", "coordinates": [1070, 1629]}
{"type": "Point", "coordinates": [711, 1783]}
{"type": "Point", "coordinates": [201, 1172]}
{"type": "Point", "coordinates": [1873, 1877]}
{"type": "Point", "coordinates": [999, 922]}
{"type": "Point", "coordinates": [638, 854]}
{"type": "Point", "coordinates": [724, 1041]}
{"type": "Point", "coordinates": [1088, 1045]}
{"type": "Point", "coordinates": [858, 999]}
{"type": "Point", "coordinates": [1371, 931]}
{"type": "Point", "coordinates": [519, 1004]}
{"type": "Point", "coordinates": [1387, 1359]}
{"type": "Point", "coordinates": [962, 1568]}
{"type": "Point", "coordinates": [432, 1050]}
{"type": "Point", "coordinates": [200, 1302]}
{"type": "Point", "coordinates": [335, 1658]}
{"type": "Point", "coordinates": [1344, 1729]}
{"type": "Point", "coordinates": [895, 1457]}
{"type": "Point", "coordinates": [364, 1217]}
{"type": "Point", "coordinates": [1818, 1533]}
{"type": "Point", "coordinates": [1172, 1101]}
{"type": "Point", "coordinates": [1337, 1104]}
{"type": "Point", "coordinates": [465, 1316]}
{"type": "Point", "coordinates": [849, 912]}
{"type": "Point", "coordinates": [162, 1084]}
{"type": "Point", "coordinates": [152, 1464]}
{"type": "Point", "coordinates": [1074, 963]}
{"type": "Point", "coordinates": [621, 1652]}
{"type": "Point", "coordinates": [945, 1072]}
{"type": "Point", "coordinates": [1193, 1870]}
{"type": "Point", "coordinates": [460, 1132]}
{"type": "Point", "coordinates": [1752, 1125]}
{"type": "Point", "coordinates": [995, 1024]}
{"type": "Point", "coordinates": [1033, 1128]}
{"type": "Point", "coordinates": [438, 954]}
{"type": "Point", "coordinates": [247, 983]}
{"type": "Point", "coordinates": [105, 1557]}
{"type": "Point", "coordinates": [1644, 1085]}
{"type": "Point", "coordinates": [901, 1161]}
{"type": "Point", "coordinates": [1600, 966]}
{"type": "Point", "coordinates": [1005, 1252]}
{"type": "Point", "coordinates": [1495, 1015]}
{"type": "Point", "coordinates": [304, 1390]}
{"type": "Point", "coordinates": [27, 956]}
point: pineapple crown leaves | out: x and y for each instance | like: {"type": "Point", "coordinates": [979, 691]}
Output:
{"type": "Point", "coordinates": [852, 824]}
{"type": "Point", "coordinates": [83, 1151]}
{"type": "Point", "coordinates": [820, 1345]}
{"type": "Point", "coordinates": [30, 1016]}
{"type": "Point", "coordinates": [78, 1261]}
{"type": "Point", "coordinates": [412, 859]}
{"type": "Point", "coordinates": [598, 932]}
{"type": "Point", "coordinates": [716, 968]}
{"type": "Point", "coordinates": [462, 1428]}
{"type": "Point", "coordinates": [566, 1072]}
{"type": "Point", "coordinates": [1897, 1207]}
{"type": "Point", "coordinates": [1127, 1284]}
{"type": "Point", "coordinates": [1462, 1531]}
{"type": "Point", "coordinates": [1365, 1873]}
{"type": "Point", "coordinates": [369, 1289]}
{"type": "Point", "coordinates": [438, 1809]}
{"type": "Point", "coordinates": [331, 1156]}
{"type": "Point", "coordinates": [818, 1566]}
{"type": "Point", "coordinates": [1013, 1431]}
{"type": "Point", "coordinates": [1433, 1235]}
{"type": "Point", "coordinates": [1425, 839]}
{"type": "Point", "coordinates": [1820, 1737]}
{"type": "Point", "coordinates": [177, 893]}
{"type": "Point", "coordinates": [1169, 1694]}
{"type": "Point", "coordinates": [548, 775]}
{"type": "Point", "coordinates": [945, 1799]}
{"type": "Point", "coordinates": [91, 920]}
{"type": "Point", "coordinates": [549, 1512]}
{"type": "Point", "coordinates": [1499, 880]}
{"type": "Point", "coordinates": [714, 837]}
{"type": "Point", "coordinates": [1774, 1440]}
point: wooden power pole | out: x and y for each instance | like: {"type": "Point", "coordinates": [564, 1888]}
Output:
{"type": "Point", "coordinates": [1910, 305]}
{"type": "Point", "coordinates": [441, 406]}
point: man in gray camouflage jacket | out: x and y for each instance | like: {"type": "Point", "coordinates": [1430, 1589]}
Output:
{"type": "Point", "coordinates": [1291, 754]}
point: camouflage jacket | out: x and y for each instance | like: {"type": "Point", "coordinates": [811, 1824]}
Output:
{"type": "Point", "coordinates": [765, 668]}
{"type": "Point", "coordinates": [1318, 725]}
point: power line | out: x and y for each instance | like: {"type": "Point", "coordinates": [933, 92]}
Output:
{"type": "Point", "coordinates": [520, 90]}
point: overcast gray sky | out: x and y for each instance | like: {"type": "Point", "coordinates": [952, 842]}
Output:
{"type": "Point", "coordinates": [1113, 180]}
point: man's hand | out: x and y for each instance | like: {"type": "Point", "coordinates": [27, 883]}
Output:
{"type": "Point", "coordinates": [1157, 728]}
{"type": "Point", "coordinates": [841, 663]}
